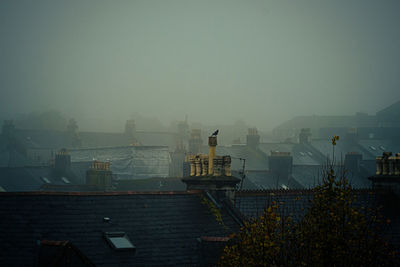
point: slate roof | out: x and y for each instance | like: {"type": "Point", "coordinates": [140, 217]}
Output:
{"type": "Point", "coordinates": [253, 203]}
{"type": "Point", "coordinates": [163, 227]}
{"type": "Point", "coordinates": [129, 162]}
{"type": "Point", "coordinates": [392, 110]}
{"type": "Point", "coordinates": [35, 138]}
{"type": "Point", "coordinates": [375, 147]}
{"type": "Point", "coordinates": [145, 138]}
{"type": "Point", "coordinates": [103, 139]}
{"type": "Point", "coordinates": [43, 138]}
{"type": "Point", "coordinates": [315, 121]}
{"type": "Point", "coordinates": [151, 184]}
{"type": "Point", "coordinates": [31, 178]}
{"type": "Point", "coordinates": [310, 176]}
{"type": "Point", "coordinates": [248, 183]}
{"type": "Point", "coordinates": [307, 175]}
{"type": "Point", "coordinates": [12, 158]}
{"type": "Point", "coordinates": [302, 155]}
{"type": "Point", "coordinates": [264, 179]}
{"type": "Point", "coordinates": [324, 146]}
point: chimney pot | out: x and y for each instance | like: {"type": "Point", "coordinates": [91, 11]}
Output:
{"type": "Point", "coordinates": [385, 163]}
{"type": "Point", "coordinates": [197, 163]}
{"type": "Point", "coordinates": [212, 152]}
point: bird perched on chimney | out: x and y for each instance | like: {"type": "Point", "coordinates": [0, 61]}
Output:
{"type": "Point", "coordinates": [215, 133]}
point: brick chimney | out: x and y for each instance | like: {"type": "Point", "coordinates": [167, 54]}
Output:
{"type": "Point", "coordinates": [217, 178]}
{"type": "Point", "coordinates": [130, 128]}
{"type": "Point", "coordinates": [177, 160]}
{"type": "Point", "coordinates": [195, 141]}
{"type": "Point", "coordinates": [62, 162]}
{"type": "Point", "coordinates": [280, 164]}
{"type": "Point", "coordinates": [212, 152]}
{"type": "Point", "coordinates": [99, 175]}
{"type": "Point", "coordinates": [304, 136]}
{"type": "Point", "coordinates": [387, 172]}
{"type": "Point", "coordinates": [253, 138]}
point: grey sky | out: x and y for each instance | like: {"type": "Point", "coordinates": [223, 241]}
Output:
{"type": "Point", "coordinates": [262, 61]}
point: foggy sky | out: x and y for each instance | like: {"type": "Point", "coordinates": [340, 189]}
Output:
{"type": "Point", "coordinates": [215, 61]}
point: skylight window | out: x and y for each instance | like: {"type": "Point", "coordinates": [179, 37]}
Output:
{"type": "Point", "coordinates": [65, 180]}
{"type": "Point", "coordinates": [382, 148]}
{"type": "Point", "coordinates": [373, 148]}
{"type": "Point", "coordinates": [47, 181]}
{"type": "Point", "coordinates": [119, 241]}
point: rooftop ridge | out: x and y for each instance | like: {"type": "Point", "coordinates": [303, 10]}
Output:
{"type": "Point", "coordinates": [113, 147]}
{"type": "Point", "coordinates": [119, 193]}
{"type": "Point", "coordinates": [296, 191]}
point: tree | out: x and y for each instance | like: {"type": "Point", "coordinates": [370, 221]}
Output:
{"type": "Point", "coordinates": [46, 120]}
{"type": "Point", "coordinates": [72, 130]}
{"type": "Point", "coordinates": [72, 126]}
{"type": "Point", "coordinates": [260, 242]}
{"type": "Point", "coordinates": [333, 232]}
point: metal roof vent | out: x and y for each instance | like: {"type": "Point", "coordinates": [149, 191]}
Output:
{"type": "Point", "coordinates": [44, 179]}
{"type": "Point", "coordinates": [65, 180]}
{"type": "Point", "coordinates": [119, 241]}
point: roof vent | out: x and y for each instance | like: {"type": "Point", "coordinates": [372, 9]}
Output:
{"type": "Point", "coordinates": [44, 179]}
{"type": "Point", "coordinates": [119, 241]}
{"type": "Point", "coordinates": [65, 180]}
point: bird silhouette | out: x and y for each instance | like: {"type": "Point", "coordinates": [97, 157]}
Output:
{"type": "Point", "coordinates": [215, 133]}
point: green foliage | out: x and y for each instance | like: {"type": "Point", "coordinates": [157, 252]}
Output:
{"type": "Point", "coordinates": [260, 242]}
{"type": "Point", "coordinates": [333, 232]}
{"type": "Point", "coordinates": [72, 126]}
{"type": "Point", "coordinates": [214, 210]}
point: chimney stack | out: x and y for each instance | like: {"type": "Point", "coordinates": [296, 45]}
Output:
{"type": "Point", "coordinates": [130, 128]}
{"type": "Point", "coordinates": [351, 136]}
{"type": "Point", "coordinates": [62, 162]}
{"type": "Point", "coordinates": [212, 152]}
{"type": "Point", "coordinates": [211, 173]}
{"type": "Point", "coordinates": [304, 136]}
{"type": "Point", "coordinates": [99, 175]}
{"type": "Point", "coordinates": [177, 161]}
{"type": "Point", "coordinates": [195, 141]}
{"type": "Point", "coordinates": [253, 138]}
{"type": "Point", "coordinates": [280, 164]}
{"type": "Point", "coordinates": [387, 172]}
